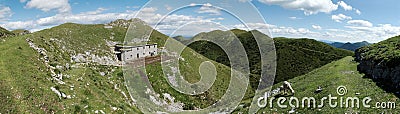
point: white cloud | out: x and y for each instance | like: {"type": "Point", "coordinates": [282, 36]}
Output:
{"type": "Point", "coordinates": [192, 29]}
{"type": "Point", "coordinates": [295, 18]}
{"type": "Point", "coordinates": [276, 30]}
{"type": "Point", "coordinates": [358, 12]}
{"type": "Point", "coordinates": [207, 5]}
{"type": "Point", "coordinates": [168, 25]}
{"type": "Point", "coordinates": [360, 23]}
{"type": "Point", "coordinates": [345, 6]}
{"type": "Point", "coordinates": [98, 11]}
{"type": "Point", "coordinates": [308, 6]}
{"type": "Point", "coordinates": [5, 12]}
{"type": "Point", "coordinates": [62, 6]}
{"type": "Point", "coordinates": [374, 33]}
{"type": "Point", "coordinates": [169, 8]}
{"type": "Point", "coordinates": [340, 17]}
{"type": "Point", "coordinates": [19, 25]}
{"type": "Point", "coordinates": [316, 27]}
{"type": "Point", "coordinates": [370, 34]}
{"type": "Point", "coordinates": [149, 10]}
{"type": "Point", "coordinates": [22, 1]}
{"type": "Point", "coordinates": [348, 7]}
{"type": "Point", "coordinates": [92, 17]}
{"type": "Point", "coordinates": [207, 8]}
{"type": "Point", "coordinates": [83, 18]}
{"type": "Point", "coordinates": [242, 1]}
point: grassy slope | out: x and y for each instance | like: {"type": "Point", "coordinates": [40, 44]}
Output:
{"type": "Point", "coordinates": [31, 87]}
{"type": "Point", "coordinates": [296, 57]}
{"type": "Point", "coordinates": [189, 69]}
{"type": "Point", "coordinates": [91, 90]}
{"type": "Point", "coordinates": [23, 86]}
{"type": "Point", "coordinates": [329, 77]}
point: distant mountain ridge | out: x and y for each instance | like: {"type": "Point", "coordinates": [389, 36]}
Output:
{"type": "Point", "coordinates": [348, 45]}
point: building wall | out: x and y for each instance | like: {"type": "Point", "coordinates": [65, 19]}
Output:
{"type": "Point", "coordinates": [134, 53]}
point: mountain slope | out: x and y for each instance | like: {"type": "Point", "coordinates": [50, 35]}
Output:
{"type": "Point", "coordinates": [294, 56]}
{"type": "Point", "coordinates": [300, 56]}
{"type": "Point", "coordinates": [339, 73]}
{"type": "Point", "coordinates": [71, 68]}
{"type": "Point", "coordinates": [65, 69]}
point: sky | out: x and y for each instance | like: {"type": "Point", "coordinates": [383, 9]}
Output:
{"type": "Point", "coordinates": [331, 20]}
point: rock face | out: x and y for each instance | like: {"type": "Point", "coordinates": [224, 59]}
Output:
{"type": "Point", "coordinates": [381, 63]}
{"type": "Point", "coordinates": [379, 71]}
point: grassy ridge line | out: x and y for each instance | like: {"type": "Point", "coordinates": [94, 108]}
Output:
{"type": "Point", "coordinates": [329, 77]}
{"type": "Point", "coordinates": [386, 51]}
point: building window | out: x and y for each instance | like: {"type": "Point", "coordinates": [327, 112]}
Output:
{"type": "Point", "coordinates": [137, 55]}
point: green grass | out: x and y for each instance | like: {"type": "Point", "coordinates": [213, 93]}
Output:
{"type": "Point", "coordinates": [189, 70]}
{"type": "Point", "coordinates": [386, 51]}
{"type": "Point", "coordinates": [329, 77]}
{"type": "Point", "coordinates": [25, 81]}
{"type": "Point", "coordinates": [24, 85]}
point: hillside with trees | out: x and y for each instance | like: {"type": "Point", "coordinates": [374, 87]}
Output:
{"type": "Point", "coordinates": [295, 57]}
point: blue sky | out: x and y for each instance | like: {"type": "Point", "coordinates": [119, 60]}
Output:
{"type": "Point", "coordinates": [334, 20]}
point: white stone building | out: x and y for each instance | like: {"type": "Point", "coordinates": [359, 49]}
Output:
{"type": "Point", "coordinates": [126, 53]}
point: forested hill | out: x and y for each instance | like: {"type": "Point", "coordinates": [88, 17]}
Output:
{"type": "Point", "coordinates": [295, 57]}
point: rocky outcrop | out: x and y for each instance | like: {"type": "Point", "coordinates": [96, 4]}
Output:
{"type": "Point", "coordinates": [5, 33]}
{"type": "Point", "coordinates": [125, 23]}
{"type": "Point", "coordinates": [385, 71]}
